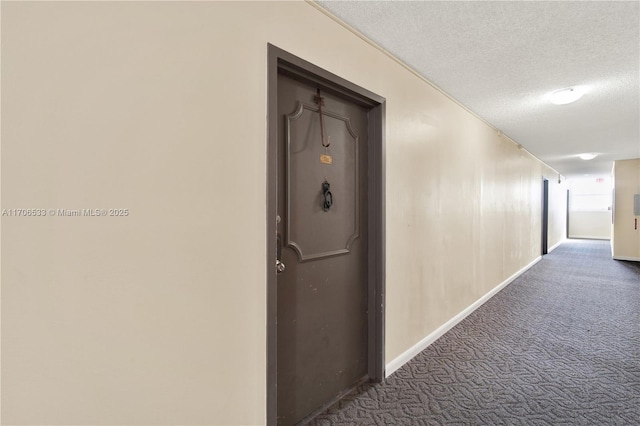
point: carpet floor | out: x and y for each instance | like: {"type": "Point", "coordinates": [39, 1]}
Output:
{"type": "Point", "coordinates": [560, 345]}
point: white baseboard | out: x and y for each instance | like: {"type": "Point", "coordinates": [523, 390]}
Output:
{"type": "Point", "coordinates": [589, 237]}
{"type": "Point", "coordinates": [406, 356]}
{"type": "Point", "coordinates": [631, 258]}
{"type": "Point", "coordinates": [556, 245]}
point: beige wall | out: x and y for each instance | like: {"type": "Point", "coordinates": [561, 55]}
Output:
{"type": "Point", "coordinates": [159, 317]}
{"type": "Point", "coordinates": [557, 227]}
{"type": "Point", "coordinates": [592, 225]}
{"type": "Point", "coordinates": [626, 238]}
{"type": "Point", "coordinates": [590, 205]}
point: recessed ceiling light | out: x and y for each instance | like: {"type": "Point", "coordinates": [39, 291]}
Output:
{"type": "Point", "coordinates": [566, 96]}
{"type": "Point", "coordinates": [587, 156]}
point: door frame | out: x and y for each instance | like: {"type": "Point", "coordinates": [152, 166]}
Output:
{"type": "Point", "coordinates": [566, 230]}
{"type": "Point", "coordinates": [545, 215]}
{"type": "Point", "coordinates": [280, 61]}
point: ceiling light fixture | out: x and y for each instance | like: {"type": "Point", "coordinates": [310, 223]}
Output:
{"type": "Point", "coordinates": [587, 156]}
{"type": "Point", "coordinates": [566, 96]}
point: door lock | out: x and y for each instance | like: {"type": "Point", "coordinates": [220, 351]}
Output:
{"type": "Point", "coordinates": [279, 265]}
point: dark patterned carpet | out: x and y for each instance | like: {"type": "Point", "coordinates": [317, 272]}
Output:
{"type": "Point", "coordinates": [558, 346]}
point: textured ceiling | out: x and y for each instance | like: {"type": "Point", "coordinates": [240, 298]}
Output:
{"type": "Point", "coordinates": [501, 58]}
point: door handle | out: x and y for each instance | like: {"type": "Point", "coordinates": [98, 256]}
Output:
{"type": "Point", "coordinates": [280, 267]}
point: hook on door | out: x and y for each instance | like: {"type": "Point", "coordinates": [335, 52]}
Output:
{"type": "Point", "coordinates": [319, 100]}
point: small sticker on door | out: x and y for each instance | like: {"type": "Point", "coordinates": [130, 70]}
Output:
{"type": "Point", "coordinates": [326, 159]}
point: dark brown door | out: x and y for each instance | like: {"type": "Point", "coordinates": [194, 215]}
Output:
{"type": "Point", "coordinates": [322, 301]}
{"type": "Point", "coordinates": [545, 215]}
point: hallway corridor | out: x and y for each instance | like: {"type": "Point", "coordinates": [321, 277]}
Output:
{"type": "Point", "coordinates": [559, 345]}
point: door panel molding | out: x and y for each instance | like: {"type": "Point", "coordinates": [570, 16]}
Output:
{"type": "Point", "coordinates": [282, 62]}
{"type": "Point", "coordinates": [306, 246]}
